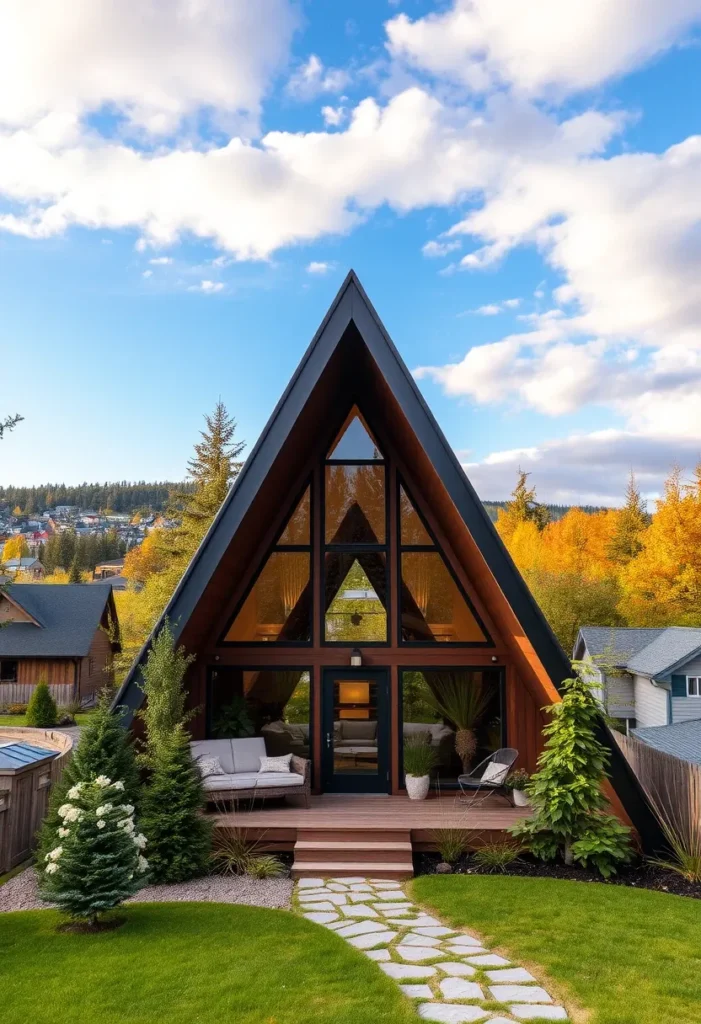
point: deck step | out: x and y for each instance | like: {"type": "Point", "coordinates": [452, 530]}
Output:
{"type": "Point", "coordinates": [337, 869]}
{"type": "Point", "coordinates": [385, 853]}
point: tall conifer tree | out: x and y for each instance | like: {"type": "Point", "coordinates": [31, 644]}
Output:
{"type": "Point", "coordinates": [632, 521]}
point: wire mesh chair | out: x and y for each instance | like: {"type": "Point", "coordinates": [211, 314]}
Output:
{"type": "Point", "coordinates": [476, 788]}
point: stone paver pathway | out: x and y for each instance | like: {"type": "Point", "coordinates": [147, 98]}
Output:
{"type": "Point", "coordinates": [452, 976]}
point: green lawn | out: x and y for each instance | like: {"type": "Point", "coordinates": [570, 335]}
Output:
{"type": "Point", "coordinates": [630, 956]}
{"type": "Point", "coordinates": [19, 721]}
{"type": "Point", "coordinates": [190, 963]}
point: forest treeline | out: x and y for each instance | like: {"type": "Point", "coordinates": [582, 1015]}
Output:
{"type": "Point", "coordinates": [122, 496]}
{"type": "Point", "coordinates": [615, 567]}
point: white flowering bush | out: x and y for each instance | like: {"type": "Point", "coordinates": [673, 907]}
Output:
{"type": "Point", "coordinates": [98, 859]}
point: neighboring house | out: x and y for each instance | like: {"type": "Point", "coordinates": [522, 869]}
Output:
{"type": "Point", "coordinates": [351, 572]}
{"type": "Point", "coordinates": [682, 740]}
{"type": "Point", "coordinates": [29, 565]}
{"type": "Point", "coordinates": [648, 677]}
{"type": "Point", "coordinates": [117, 582]}
{"type": "Point", "coordinates": [112, 567]}
{"type": "Point", "coordinates": [61, 634]}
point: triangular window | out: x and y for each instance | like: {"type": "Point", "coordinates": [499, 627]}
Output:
{"type": "Point", "coordinates": [355, 442]}
{"type": "Point", "coordinates": [355, 598]}
{"type": "Point", "coordinates": [278, 607]}
{"type": "Point", "coordinates": [433, 606]}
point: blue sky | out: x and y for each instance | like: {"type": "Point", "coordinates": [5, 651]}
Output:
{"type": "Point", "coordinates": [516, 185]}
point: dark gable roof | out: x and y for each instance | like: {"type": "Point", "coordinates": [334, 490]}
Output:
{"type": "Point", "coordinates": [69, 614]}
{"type": "Point", "coordinates": [351, 307]}
{"type": "Point", "coordinates": [645, 651]}
{"type": "Point", "coordinates": [618, 644]}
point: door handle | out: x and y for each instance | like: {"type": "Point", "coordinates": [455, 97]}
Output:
{"type": "Point", "coordinates": [328, 739]}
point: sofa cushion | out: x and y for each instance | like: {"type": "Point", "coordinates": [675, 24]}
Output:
{"type": "Point", "coordinates": [247, 753]}
{"type": "Point", "coordinates": [209, 766]}
{"type": "Point", "coordinates": [275, 780]}
{"type": "Point", "coordinates": [217, 783]}
{"type": "Point", "coordinates": [352, 729]}
{"type": "Point", "coordinates": [278, 727]}
{"type": "Point", "coordinates": [215, 748]}
{"type": "Point", "coordinates": [275, 764]}
{"type": "Point", "coordinates": [297, 732]}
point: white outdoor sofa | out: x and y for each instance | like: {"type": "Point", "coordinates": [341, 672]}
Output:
{"type": "Point", "coordinates": [243, 779]}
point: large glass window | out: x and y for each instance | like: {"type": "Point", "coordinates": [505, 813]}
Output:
{"type": "Point", "coordinates": [278, 607]}
{"type": "Point", "coordinates": [355, 587]}
{"type": "Point", "coordinates": [458, 712]}
{"type": "Point", "coordinates": [433, 608]}
{"type": "Point", "coordinates": [274, 704]}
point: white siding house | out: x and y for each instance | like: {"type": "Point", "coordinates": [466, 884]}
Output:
{"type": "Point", "coordinates": [644, 673]}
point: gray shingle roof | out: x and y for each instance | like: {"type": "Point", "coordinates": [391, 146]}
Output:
{"type": "Point", "coordinates": [673, 645]}
{"type": "Point", "coordinates": [69, 615]}
{"type": "Point", "coordinates": [618, 644]}
{"type": "Point", "coordinates": [681, 740]}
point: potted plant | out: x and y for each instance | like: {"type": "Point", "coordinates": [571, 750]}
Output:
{"type": "Point", "coordinates": [419, 759]}
{"type": "Point", "coordinates": [517, 782]}
{"type": "Point", "coordinates": [462, 702]}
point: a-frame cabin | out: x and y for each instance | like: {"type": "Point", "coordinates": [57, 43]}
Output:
{"type": "Point", "coordinates": [350, 575]}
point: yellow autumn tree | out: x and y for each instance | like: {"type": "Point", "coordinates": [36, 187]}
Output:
{"type": "Point", "coordinates": [144, 560]}
{"type": "Point", "coordinates": [662, 583]}
{"type": "Point", "coordinates": [15, 547]}
{"type": "Point", "coordinates": [579, 543]}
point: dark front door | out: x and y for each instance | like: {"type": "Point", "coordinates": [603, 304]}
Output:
{"type": "Point", "coordinates": [355, 738]}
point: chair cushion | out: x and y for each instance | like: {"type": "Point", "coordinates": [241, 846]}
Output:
{"type": "Point", "coordinates": [215, 783]}
{"type": "Point", "coordinates": [352, 729]}
{"type": "Point", "coordinates": [275, 764]}
{"type": "Point", "coordinates": [277, 726]}
{"type": "Point", "coordinates": [275, 780]}
{"type": "Point", "coordinates": [297, 732]}
{"type": "Point", "coordinates": [495, 773]}
{"type": "Point", "coordinates": [215, 748]}
{"type": "Point", "coordinates": [247, 753]}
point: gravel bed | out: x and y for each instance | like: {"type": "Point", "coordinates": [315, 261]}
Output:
{"type": "Point", "coordinates": [20, 892]}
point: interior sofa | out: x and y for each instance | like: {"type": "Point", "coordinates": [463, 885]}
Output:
{"type": "Point", "coordinates": [353, 736]}
{"type": "Point", "coordinates": [240, 759]}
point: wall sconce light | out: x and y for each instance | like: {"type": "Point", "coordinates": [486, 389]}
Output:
{"type": "Point", "coordinates": [494, 658]}
{"type": "Point", "coordinates": [356, 658]}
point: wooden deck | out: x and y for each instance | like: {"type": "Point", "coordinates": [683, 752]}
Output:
{"type": "Point", "coordinates": [279, 822]}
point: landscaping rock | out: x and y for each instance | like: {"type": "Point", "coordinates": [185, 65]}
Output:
{"type": "Point", "coordinates": [372, 939]}
{"type": "Point", "coordinates": [457, 970]}
{"type": "Point", "coordinates": [533, 1012]}
{"type": "Point", "coordinates": [447, 1014]}
{"type": "Point", "coordinates": [457, 988]}
{"type": "Point", "coordinates": [378, 954]}
{"type": "Point", "coordinates": [510, 975]}
{"type": "Point", "coordinates": [443, 868]}
{"type": "Point", "coordinates": [488, 960]}
{"type": "Point", "coordinates": [417, 953]}
{"type": "Point", "coordinates": [351, 928]}
{"type": "Point", "coordinates": [321, 918]}
{"type": "Point", "coordinates": [417, 991]}
{"type": "Point", "coordinates": [402, 972]}
{"type": "Point", "coordinates": [519, 994]}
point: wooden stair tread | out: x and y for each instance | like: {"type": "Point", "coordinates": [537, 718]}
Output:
{"type": "Point", "coordinates": [372, 869]}
{"type": "Point", "coordinates": [370, 846]}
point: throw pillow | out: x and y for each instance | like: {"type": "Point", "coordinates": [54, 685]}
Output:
{"type": "Point", "coordinates": [275, 764]}
{"type": "Point", "coordinates": [210, 766]}
{"type": "Point", "coordinates": [495, 773]}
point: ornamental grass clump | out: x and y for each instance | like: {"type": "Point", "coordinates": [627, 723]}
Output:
{"type": "Point", "coordinates": [570, 809]}
{"type": "Point", "coordinates": [420, 758]}
{"type": "Point", "coordinates": [97, 860]}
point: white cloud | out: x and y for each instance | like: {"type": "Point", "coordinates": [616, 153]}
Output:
{"type": "Point", "coordinates": [313, 79]}
{"type": "Point", "coordinates": [434, 250]}
{"type": "Point", "coordinates": [334, 116]}
{"type": "Point", "coordinates": [161, 261]}
{"type": "Point", "coordinates": [585, 468]}
{"type": "Point", "coordinates": [489, 310]}
{"type": "Point", "coordinates": [318, 267]}
{"type": "Point", "coordinates": [207, 287]}
{"type": "Point", "coordinates": [147, 273]}
{"type": "Point", "coordinates": [540, 46]}
{"type": "Point", "coordinates": [155, 63]}
{"type": "Point", "coordinates": [511, 303]}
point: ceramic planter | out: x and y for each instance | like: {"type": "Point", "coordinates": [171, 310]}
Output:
{"type": "Point", "coordinates": [520, 798]}
{"type": "Point", "coordinates": [417, 786]}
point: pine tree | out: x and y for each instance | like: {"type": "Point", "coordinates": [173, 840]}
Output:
{"type": "Point", "coordinates": [179, 837]}
{"type": "Point", "coordinates": [96, 861]}
{"type": "Point", "coordinates": [74, 575]}
{"type": "Point", "coordinates": [42, 712]}
{"type": "Point", "coordinates": [523, 508]}
{"type": "Point", "coordinates": [105, 748]}
{"type": "Point", "coordinates": [631, 523]}
{"type": "Point", "coordinates": [570, 810]}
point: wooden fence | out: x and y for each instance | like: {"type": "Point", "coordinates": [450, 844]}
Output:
{"type": "Point", "coordinates": [19, 693]}
{"type": "Point", "coordinates": [673, 785]}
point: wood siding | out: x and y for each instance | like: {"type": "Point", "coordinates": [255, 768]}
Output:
{"type": "Point", "coordinates": [651, 703]}
{"type": "Point", "coordinates": [95, 671]}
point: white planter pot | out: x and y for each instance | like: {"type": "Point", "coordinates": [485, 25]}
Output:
{"type": "Point", "coordinates": [417, 786]}
{"type": "Point", "coordinates": [520, 798]}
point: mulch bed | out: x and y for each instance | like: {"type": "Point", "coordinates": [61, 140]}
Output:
{"type": "Point", "coordinates": [638, 876]}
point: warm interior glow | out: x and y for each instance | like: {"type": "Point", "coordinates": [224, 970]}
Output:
{"type": "Point", "coordinates": [354, 713]}
{"type": "Point", "coordinates": [353, 693]}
